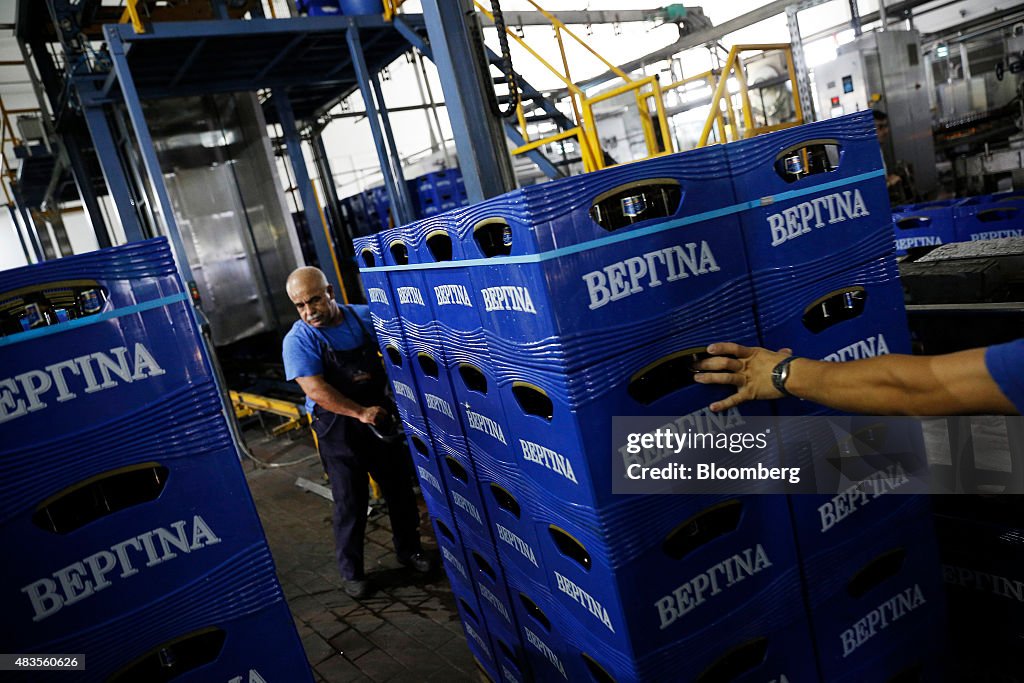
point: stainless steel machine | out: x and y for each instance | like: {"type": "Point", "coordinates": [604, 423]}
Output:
{"type": "Point", "coordinates": [222, 179]}
{"type": "Point", "coordinates": [885, 70]}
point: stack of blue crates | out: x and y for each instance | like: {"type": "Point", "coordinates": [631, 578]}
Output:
{"type": "Point", "coordinates": [981, 540]}
{"type": "Point", "coordinates": [924, 225]}
{"type": "Point", "coordinates": [988, 217]}
{"type": "Point", "coordinates": [985, 217]}
{"type": "Point", "coordinates": [121, 494]}
{"type": "Point", "coordinates": [822, 263]}
{"type": "Point", "coordinates": [438, 191]}
{"type": "Point", "coordinates": [523, 324]}
{"type": "Point", "coordinates": [423, 395]}
{"type": "Point", "coordinates": [432, 193]}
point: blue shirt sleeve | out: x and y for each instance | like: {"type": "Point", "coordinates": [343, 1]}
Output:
{"type": "Point", "coordinates": [301, 353]}
{"type": "Point", "coordinates": [1005, 363]}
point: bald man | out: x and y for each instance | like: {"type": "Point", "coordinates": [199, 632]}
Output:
{"type": "Point", "coordinates": [330, 351]}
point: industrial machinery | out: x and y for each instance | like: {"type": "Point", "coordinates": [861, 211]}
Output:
{"type": "Point", "coordinates": [1002, 154]}
{"type": "Point", "coordinates": [222, 180]}
{"type": "Point", "coordinates": [885, 71]}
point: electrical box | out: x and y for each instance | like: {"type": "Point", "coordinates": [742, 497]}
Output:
{"type": "Point", "coordinates": [885, 71]}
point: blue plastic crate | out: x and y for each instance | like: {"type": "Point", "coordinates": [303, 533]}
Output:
{"type": "Point", "coordinates": [511, 508]}
{"type": "Point", "coordinates": [426, 464]}
{"type": "Point", "coordinates": [398, 365]}
{"type": "Point", "coordinates": [990, 217]}
{"type": "Point", "coordinates": [851, 313]}
{"type": "Point", "coordinates": [876, 595]}
{"type": "Point", "coordinates": [449, 546]}
{"type": "Point", "coordinates": [560, 418]}
{"type": "Point", "coordinates": [770, 638]}
{"type": "Point", "coordinates": [135, 274]}
{"type": "Point", "coordinates": [477, 637]}
{"type": "Point", "coordinates": [548, 651]}
{"type": "Point", "coordinates": [463, 487]}
{"type": "Point", "coordinates": [107, 390]}
{"type": "Point", "coordinates": [512, 663]}
{"type": "Point", "coordinates": [489, 584]}
{"type": "Point", "coordinates": [219, 648]}
{"type": "Point", "coordinates": [983, 568]}
{"type": "Point", "coordinates": [376, 284]}
{"type": "Point", "coordinates": [639, 251]}
{"type": "Point", "coordinates": [924, 225]}
{"type": "Point", "coordinates": [750, 645]}
{"type": "Point", "coordinates": [181, 526]}
{"type": "Point", "coordinates": [918, 661]}
{"type": "Point", "coordinates": [825, 523]}
{"type": "Point", "coordinates": [615, 577]}
{"type": "Point", "coordinates": [838, 216]}
{"type": "Point", "coordinates": [641, 591]}
{"type": "Point", "coordinates": [466, 354]}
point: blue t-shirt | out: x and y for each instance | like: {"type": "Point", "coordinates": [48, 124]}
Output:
{"type": "Point", "coordinates": [1006, 365]}
{"type": "Point", "coordinates": [301, 349]}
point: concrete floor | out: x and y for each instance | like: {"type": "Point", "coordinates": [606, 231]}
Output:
{"type": "Point", "coordinates": [406, 630]}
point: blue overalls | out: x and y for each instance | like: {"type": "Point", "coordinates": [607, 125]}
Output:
{"type": "Point", "coordinates": [350, 451]}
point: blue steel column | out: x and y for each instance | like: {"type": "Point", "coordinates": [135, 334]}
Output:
{"type": "Point", "coordinates": [85, 189]}
{"type": "Point", "coordinates": [479, 140]}
{"type": "Point", "coordinates": [32, 230]}
{"type": "Point", "coordinates": [324, 250]}
{"type": "Point", "coordinates": [113, 173]}
{"type": "Point", "coordinates": [387, 152]}
{"type": "Point", "coordinates": [16, 224]}
{"type": "Point", "coordinates": [146, 147]}
{"type": "Point", "coordinates": [401, 189]}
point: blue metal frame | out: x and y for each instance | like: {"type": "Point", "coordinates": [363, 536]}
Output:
{"type": "Point", "coordinates": [110, 165]}
{"type": "Point", "coordinates": [293, 141]}
{"type": "Point", "coordinates": [33, 234]}
{"type": "Point", "coordinates": [16, 224]}
{"type": "Point", "coordinates": [85, 190]}
{"type": "Point", "coordinates": [147, 148]}
{"type": "Point", "coordinates": [483, 156]}
{"type": "Point", "coordinates": [383, 137]}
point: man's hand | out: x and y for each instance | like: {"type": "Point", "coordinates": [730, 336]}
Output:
{"type": "Point", "coordinates": [750, 370]}
{"type": "Point", "coordinates": [372, 415]}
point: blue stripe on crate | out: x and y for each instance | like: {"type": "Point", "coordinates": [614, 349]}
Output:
{"type": "Point", "coordinates": [93, 319]}
{"type": "Point", "coordinates": [643, 232]}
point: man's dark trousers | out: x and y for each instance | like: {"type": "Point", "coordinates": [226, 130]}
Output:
{"type": "Point", "coordinates": [347, 467]}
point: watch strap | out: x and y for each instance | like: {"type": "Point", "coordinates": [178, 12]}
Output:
{"type": "Point", "coordinates": [780, 374]}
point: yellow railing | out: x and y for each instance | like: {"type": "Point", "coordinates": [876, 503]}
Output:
{"type": "Point", "coordinates": [391, 8]}
{"type": "Point", "coordinates": [711, 81]}
{"type": "Point", "coordinates": [723, 102]}
{"type": "Point", "coordinates": [731, 113]}
{"type": "Point", "coordinates": [138, 12]}
{"type": "Point", "coordinates": [643, 91]}
{"type": "Point", "coordinates": [8, 135]}
{"type": "Point", "coordinates": [585, 131]}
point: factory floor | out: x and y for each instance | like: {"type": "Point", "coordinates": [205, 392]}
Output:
{"type": "Point", "coordinates": [408, 629]}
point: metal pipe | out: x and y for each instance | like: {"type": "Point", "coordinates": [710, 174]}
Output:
{"type": "Point", "coordinates": [881, 13]}
{"type": "Point", "coordinates": [146, 148]}
{"type": "Point", "coordinates": [32, 231]}
{"type": "Point", "coordinates": [17, 230]}
{"type": "Point", "coordinates": [855, 18]}
{"type": "Point", "coordinates": [420, 77]}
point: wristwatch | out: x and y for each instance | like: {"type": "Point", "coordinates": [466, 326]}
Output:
{"type": "Point", "coordinates": [780, 373]}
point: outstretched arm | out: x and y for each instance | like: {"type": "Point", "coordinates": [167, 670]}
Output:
{"type": "Point", "coordinates": [951, 384]}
